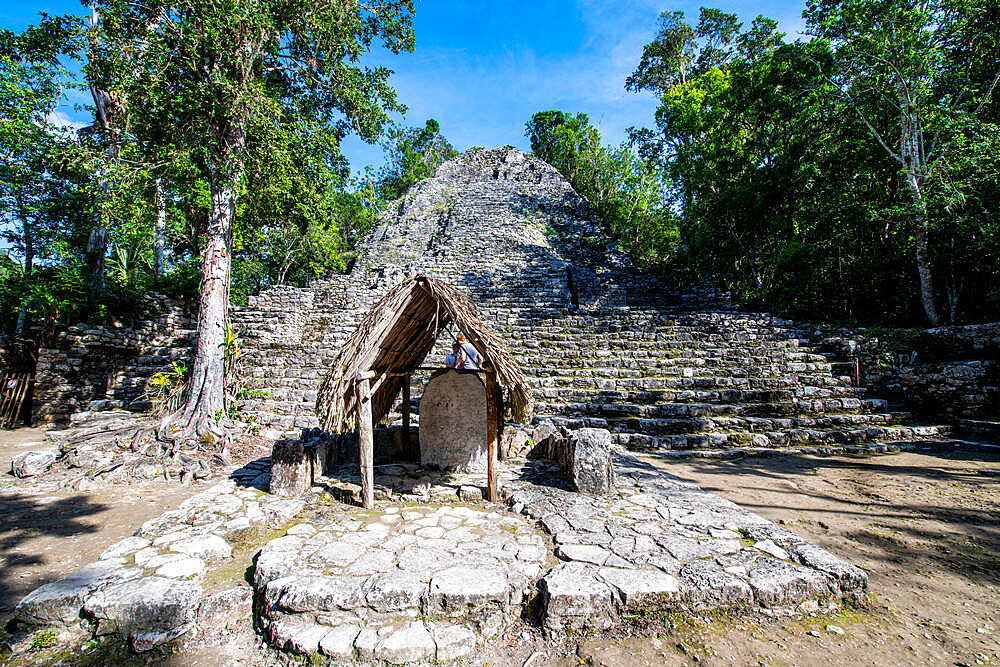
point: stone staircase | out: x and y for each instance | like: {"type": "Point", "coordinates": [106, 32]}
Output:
{"type": "Point", "coordinates": [699, 381]}
{"type": "Point", "coordinates": [661, 381]}
{"type": "Point", "coordinates": [667, 369]}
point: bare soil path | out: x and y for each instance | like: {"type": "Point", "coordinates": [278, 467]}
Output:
{"type": "Point", "coordinates": [47, 532]}
{"type": "Point", "coordinates": [925, 525]}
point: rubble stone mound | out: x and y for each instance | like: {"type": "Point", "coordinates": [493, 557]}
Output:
{"type": "Point", "coordinates": [667, 369]}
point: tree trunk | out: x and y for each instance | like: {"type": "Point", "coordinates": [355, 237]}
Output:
{"type": "Point", "coordinates": [97, 248]}
{"type": "Point", "coordinates": [923, 256]}
{"type": "Point", "coordinates": [161, 225]}
{"type": "Point", "coordinates": [203, 414]}
{"type": "Point", "coordinates": [913, 167]}
{"type": "Point", "coordinates": [29, 262]}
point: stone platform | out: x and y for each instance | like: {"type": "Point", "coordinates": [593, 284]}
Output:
{"type": "Point", "coordinates": [662, 544]}
{"type": "Point", "coordinates": [657, 543]}
{"type": "Point", "coordinates": [428, 576]}
{"type": "Point", "coordinates": [401, 584]}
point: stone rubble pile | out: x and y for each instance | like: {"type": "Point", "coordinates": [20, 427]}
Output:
{"type": "Point", "coordinates": [665, 369]}
{"type": "Point", "coordinates": [98, 368]}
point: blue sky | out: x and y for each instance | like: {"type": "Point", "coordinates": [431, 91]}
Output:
{"type": "Point", "coordinates": [483, 68]}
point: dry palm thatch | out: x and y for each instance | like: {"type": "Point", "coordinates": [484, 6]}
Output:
{"type": "Point", "coordinates": [396, 336]}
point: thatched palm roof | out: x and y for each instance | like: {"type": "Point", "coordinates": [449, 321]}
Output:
{"type": "Point", "coordinates": [396, 336]}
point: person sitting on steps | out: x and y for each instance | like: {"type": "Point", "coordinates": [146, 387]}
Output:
{"type": "Point", "coordinates": [454, 360]}
{"type": "Point", "coordinates": [471, 359]}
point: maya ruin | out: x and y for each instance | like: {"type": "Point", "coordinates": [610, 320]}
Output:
{"type": "Point", "coordinates": [371, 547]}
{"type": "Point", "coordinates": [611, 333]}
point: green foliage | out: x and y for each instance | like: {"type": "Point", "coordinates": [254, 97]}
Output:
{"type": "Point", "coordinates": [412, 155]}
{"type": "Point", "coordinates": [286, 78]}
{"type": "Point", "coordinates": [44, 639]}
{"type": "Point", "coordinates": [166, 389]}
{"type": "Point", "coordinates": [626, 191]}
{"type": "Point", "coordinates": [771, 158]}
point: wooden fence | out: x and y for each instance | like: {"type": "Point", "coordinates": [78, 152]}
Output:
{"type": "Point", "coordinates": [14, 391]}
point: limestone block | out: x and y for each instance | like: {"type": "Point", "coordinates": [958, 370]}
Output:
{"type": "Point", "coordinates": [182, 568]}
{"type": "Point", "coordinates": [290, 474]}
{"type": "Point", "coordinates": [339, 642]}
{"type": "Point", "coordinates": [411, 643]}
{"type": "Point", "coordinates": [585, 457]}
{"type": "Point", "coordinates": [645, 588]}
{"type": "Point", "coordinates": [706, 585]}
{"type": "Point", "coordinates": [453, 422]}
{"type": "Point", "coordinates": [61, 601]}
{"type": "Point", "coordinates": [394, 591]}
{"type": "Point", "coordinates": [32, 463]}
{"type": "Point", "coordinates": [297, 636]}
{"type": "Point", "coordinates": [466, 587]}
{"type": "Point", "coordinates": [453, 642]}
{"type": "Point", "coordinates": [148, 605]}
{"type": "Point", "coordinates": [852, 579]}
{"type": "Point", "coordinates": [777, 583]}
{"type": "Point", "coordinates": [515, 444]}
{"type": "Point", "coordinates": [205, 547]}
{"type": "Point", "coordinates": [574, 598]}
{"type": "Point", "coordinates": [124, 547]}
{"type": "Point", "coordinates": [319, 594]}
{"type": "Point", "coordinates": [225, 608]}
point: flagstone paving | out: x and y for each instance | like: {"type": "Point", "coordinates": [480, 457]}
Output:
{"type": "Point", "coordinates": [430, 577]}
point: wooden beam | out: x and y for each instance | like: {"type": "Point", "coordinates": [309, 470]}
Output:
{"type": "Point", "coordinates": [378, 383]}
{"type": "Point", "coordinates": [366, 445]}
{"type": "Point", "coordinates": [422, 368]}
{"type": "Point", "coordinates": [492, 419]}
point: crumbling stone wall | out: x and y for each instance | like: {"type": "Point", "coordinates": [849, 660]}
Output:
{"type": "Point", "coordinates": [946, 372]}
{"type": "Point", "coordinates": [103, 367]}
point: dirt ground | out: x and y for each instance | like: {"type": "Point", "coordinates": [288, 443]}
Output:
{"type": "Point", "coordinates": [47, 532]}
{"type": "Point", "coordinates": [925, 525]}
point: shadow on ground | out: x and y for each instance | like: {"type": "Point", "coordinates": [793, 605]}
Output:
{"type": "Point", "coordinates": [943, 515]}
{"type": "Point", "coordinates": [26, 517]}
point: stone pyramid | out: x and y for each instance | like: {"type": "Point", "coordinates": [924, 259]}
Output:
{"type": "Point", "coordinates": [667, 369]}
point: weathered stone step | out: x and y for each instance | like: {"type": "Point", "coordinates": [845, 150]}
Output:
{"type": "Point", "coordinates": [792, 437]}
{"type": "Point", "coordinates": [644, 360]}
{"type": "Point", "coordinates": [690, 425]}
{"type": "Point", "coordinates": [663, 346]}
{"type": "Point", "coordinates": [823, 450]}
{"type": "Point", "coordinates": [587, 380]}
{"type": "Point", "coordinates": [537, 366]}
{"type": "Point", "coordinates": [783, 409]}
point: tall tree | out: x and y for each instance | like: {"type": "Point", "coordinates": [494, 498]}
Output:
{"type": "Point", "coordinates": [915, 63]}
{"type": "Point", "coordinates": [230, 71]}
{"type": "Point", "coordinates": [32, 78]}
{"type": "Point", "coordinates": [412, 153]}
{"type": "Point", "coordinates": [626, 191]}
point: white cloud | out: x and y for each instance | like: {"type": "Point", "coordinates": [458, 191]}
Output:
{"type": "Point", "coordinates": [486, 98]}
{"type": "Point", "coordinates": [63, 121]}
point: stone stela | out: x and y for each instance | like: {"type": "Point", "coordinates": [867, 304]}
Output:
{"type": "Point", "coordinates": [453, 422]}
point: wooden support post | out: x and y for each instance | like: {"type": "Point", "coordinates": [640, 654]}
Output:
{"type": "Point", "coordinates": [366, 442]}
{"type": "Point", "coordinates": [406, 410]}
{"type": "Point", "coordinates": [492, 419]}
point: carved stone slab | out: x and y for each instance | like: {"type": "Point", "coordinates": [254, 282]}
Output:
{"type": "Point", "coordinates": [453, 422]}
